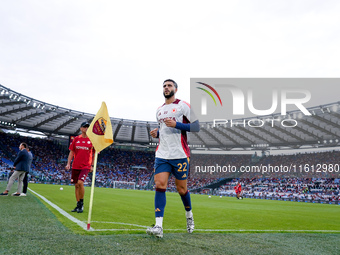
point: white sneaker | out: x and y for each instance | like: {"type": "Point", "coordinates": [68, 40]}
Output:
{"type": "Point", "coordinates": [190, 224]}
{"type": "Point", "coordinates": [156, 231]}
{"type": "Point", "coordinates": [15, 194]}
{"type": "Point", "coordinates": [23, 195]}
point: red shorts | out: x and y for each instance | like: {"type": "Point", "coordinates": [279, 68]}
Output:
{"type": "Point", "coordinates": [78, 174]}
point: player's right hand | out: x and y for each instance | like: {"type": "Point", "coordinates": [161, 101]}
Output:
{"type": "Point", "coordinates": [153, 133]}
{"type": "Point", "coordinates": [67, 167]}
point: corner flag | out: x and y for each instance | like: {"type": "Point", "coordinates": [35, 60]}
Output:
{"type": "Point", "coordinates": [100, 134]}
{"type": "Point", "coordinates": [100, 130]}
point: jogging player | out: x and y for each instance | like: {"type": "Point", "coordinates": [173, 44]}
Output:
{"type": "Point", "coordinates": [238, 190]}
{"type": "Point", "coordinates": [172, 154]}
{"type": "Point", "coordinates": [81, 151]}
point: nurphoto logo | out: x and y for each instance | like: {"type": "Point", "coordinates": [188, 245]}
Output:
{"type": "Point", "coordinates": [251, 102]}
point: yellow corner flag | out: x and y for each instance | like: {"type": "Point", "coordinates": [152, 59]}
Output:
{"type": "Point", "coordinates": [100, 130]}
{"type": "Point", "coordinates": [101, 136]}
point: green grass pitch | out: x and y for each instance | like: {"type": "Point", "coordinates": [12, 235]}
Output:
{"type": "Point", "coordinates": [130, 210]}
{"type": "Point", "coordinates": [225, 225]}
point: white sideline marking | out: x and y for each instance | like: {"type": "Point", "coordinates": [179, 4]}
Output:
{"type": "Point", "coordinates": [121, 223]}
{"type": "Point", "coordinates": [232, 230]}
{"type": "Point", "coordinates": [256, 230]}
{"type": "Point", "coordinates": [62, 212]}
{"type": "Point", "coordinates": [215, 230]}
{"type": "Point", "coordinates": [121, 229]}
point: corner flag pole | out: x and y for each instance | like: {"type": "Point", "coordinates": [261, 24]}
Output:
{"type": "Point", "coordinates": [101, 136]}
{"type": "Point", "coordinates": [92, 190]}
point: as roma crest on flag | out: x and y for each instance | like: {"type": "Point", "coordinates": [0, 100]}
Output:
{"type": "Point", "coordinates": [99, 126]}
{"type": "Point", "coordinates": [100, 130]}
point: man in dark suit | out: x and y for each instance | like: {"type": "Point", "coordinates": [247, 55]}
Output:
{"type": "Point", "coordinates": [21, 165]}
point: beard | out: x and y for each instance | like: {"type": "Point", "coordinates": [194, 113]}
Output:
{"type": "Point", "coordinates": [169, 95]}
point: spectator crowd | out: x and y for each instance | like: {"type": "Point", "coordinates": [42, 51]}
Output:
{"type": "Point", "coordinates": [50, 158]}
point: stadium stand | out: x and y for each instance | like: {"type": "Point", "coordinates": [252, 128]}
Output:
{"type": "Point", "coordinates": [126, 163]}
{"type": "Point", "coordinates": [292, 189]}
{"type": "Point", "coordinates": [137, 166]}
{"type": "Point", "coordinates": [321, 129]}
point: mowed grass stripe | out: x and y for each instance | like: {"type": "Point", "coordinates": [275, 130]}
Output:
{"type": "Point", "coordinates": [216, 214]}
{"type": "Point", "coordinates": [28, 227]}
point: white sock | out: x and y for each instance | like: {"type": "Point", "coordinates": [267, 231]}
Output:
{"type": "Point", "coordinates": [188, 214]}
{"type": "Point", "coordinates": [159, 221]}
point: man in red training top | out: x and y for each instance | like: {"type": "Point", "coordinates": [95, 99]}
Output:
{"type": "Point", "coordinates": [238, 190]}
{"type": "Point", "coordinates": [81, 151]}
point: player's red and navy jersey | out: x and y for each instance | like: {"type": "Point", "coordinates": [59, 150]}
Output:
{"type": "Point", "coordinates": [83, 152]}
{"type": "Point", "coordinates": [173, 142]}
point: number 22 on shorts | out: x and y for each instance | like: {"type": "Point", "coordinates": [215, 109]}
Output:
{"type": "Point", "coordinates": [182, 167]}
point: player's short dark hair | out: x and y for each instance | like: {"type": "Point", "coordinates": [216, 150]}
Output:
{"type": "Point", "coordinates": [25, 145]}
{"type": "Point", "coordinates": [172, 82]}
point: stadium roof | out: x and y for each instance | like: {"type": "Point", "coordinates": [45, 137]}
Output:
{"type": "Point", "coordinates": [319, 130]}
{"type": "Point", "coordinates": [20, 111]}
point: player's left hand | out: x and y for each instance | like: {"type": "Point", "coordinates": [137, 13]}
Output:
{"type": "Point", "coordinates": [170, 123]}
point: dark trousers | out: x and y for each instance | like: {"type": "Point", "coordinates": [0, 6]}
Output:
{"type": "Point", "coordinates": [25, 184]}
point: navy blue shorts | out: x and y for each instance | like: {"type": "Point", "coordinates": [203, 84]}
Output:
{"type": "Point", "coordinates": [178, 167]}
